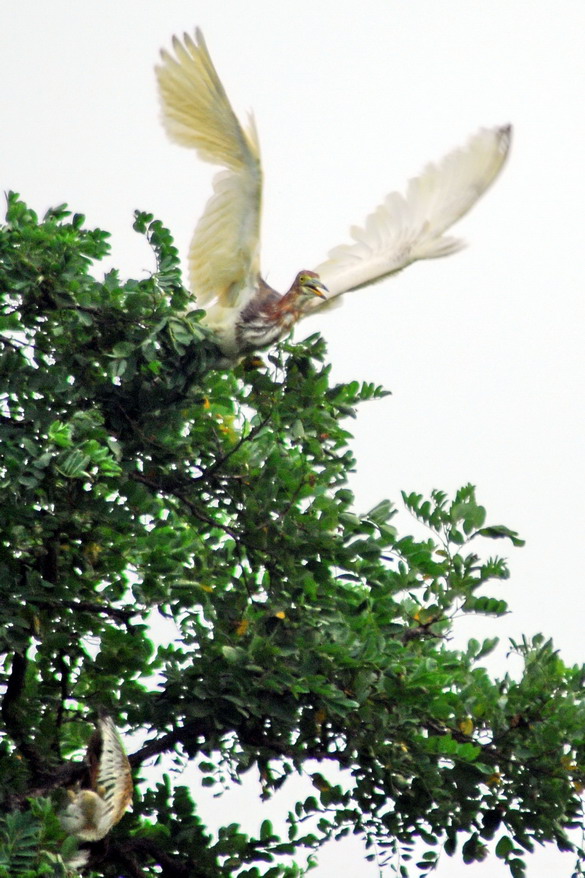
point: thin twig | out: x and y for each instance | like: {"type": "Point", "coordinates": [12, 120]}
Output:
{"type": "Point", "coordinates": [207, 473]}
{"type": "Point", "coordinates": [176, 492]}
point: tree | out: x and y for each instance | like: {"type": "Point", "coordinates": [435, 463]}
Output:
{"type": "Point", "coordinates": [138, 480]}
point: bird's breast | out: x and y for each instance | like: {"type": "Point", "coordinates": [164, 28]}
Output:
{"type": "Point", "coordinates": [258, 332]}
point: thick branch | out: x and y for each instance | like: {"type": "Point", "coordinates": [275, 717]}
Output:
{"type": "Point", "coordinates": [62, 776]}
{"type": "Point", "coordinates": [187, 733]}
{"type": "Point", "coordinates": [10, 713]}
{"type": "Point", "coordinates": [118, 613]}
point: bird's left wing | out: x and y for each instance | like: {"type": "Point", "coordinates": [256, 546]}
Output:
{"type": "Point", "coordinates": [405, 228]}
{"type": "Point", "coordinates": [224, 255]}
{"type": "Point", "coordinates": [113, 781]}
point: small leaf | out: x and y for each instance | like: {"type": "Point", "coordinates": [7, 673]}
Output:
{"type": "Point", "coordinates": [504, 847]}
{"type": "Point", "coordinates": [466, 726]}
{"type": "Point", "coordinates": [500, 531]}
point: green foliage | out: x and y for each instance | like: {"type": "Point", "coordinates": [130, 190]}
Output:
{"type": "Point", "coordinates": [140, 484]}
{"type": "Point", "coordinates": [24, 839]}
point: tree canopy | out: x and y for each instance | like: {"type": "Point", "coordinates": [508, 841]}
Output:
{"type": "Point", "coordinates": [140, 483]}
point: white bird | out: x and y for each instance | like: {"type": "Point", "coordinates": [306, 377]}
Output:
{"type": "Point", "coordinates": [92, 812]}
{"type": "Point", "coordinates": [224, 257]}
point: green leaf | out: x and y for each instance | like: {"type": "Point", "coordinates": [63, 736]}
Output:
{"type": "Point", "coordinates": [499, 531]}
{"type": "Point", "coordinates": [504, 847]}
{"type": "Point", "coordinates": [266, 830]}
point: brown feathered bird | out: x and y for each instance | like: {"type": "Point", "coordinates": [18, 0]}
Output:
{"type": "Point", "coordinates": [93, 811]}
{"type": "Point", "coordinates": [224, 256]}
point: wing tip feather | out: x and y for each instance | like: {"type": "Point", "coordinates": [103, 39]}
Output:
{"type": "Point", "coordinates": [404, 229]}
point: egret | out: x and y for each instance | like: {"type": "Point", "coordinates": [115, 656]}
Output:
{"type": "Point", "coordinates": [245, 313]}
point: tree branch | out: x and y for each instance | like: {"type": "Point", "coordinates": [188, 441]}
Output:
{"type": "Point", "coordinates": [10, 713]}
{"type": "Point", "coordinates": [188, 732]}
{"type": "Point", "coordinates": [211, 470]}
{"type": "Point", "coordinates": [118, 613]}
{"type": "Point", "coordinates": [175, 491]}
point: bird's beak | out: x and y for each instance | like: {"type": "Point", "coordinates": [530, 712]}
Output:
{"type": "Point", "coordinates": [318, 288]}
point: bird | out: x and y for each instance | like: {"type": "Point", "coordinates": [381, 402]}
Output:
{"type": "Point", "coordinates": [243, 311]}
{"type": "Point", "coordinates": [93, 811]}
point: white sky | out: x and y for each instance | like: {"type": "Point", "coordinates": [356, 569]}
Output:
{"type": "Point", "coordinates": [483, 351]}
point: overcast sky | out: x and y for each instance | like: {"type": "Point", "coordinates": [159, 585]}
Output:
{"type": "Point", "coordinates": [483, 351]}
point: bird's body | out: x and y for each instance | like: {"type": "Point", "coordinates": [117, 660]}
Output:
{"type": "Point", "coordinates": [224, 256]}
{"type": "Point", "coordinates": [92, 812]}
{"type": "Point", "coordinates": [268, 315]}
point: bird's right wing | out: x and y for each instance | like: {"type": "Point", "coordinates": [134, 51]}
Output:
{"type": "Point", "coordinates": [113, 781]}
{"type": "Point", "coordinates": [224, 255]}
{"type": "Point", "coordinates": [408, 227]}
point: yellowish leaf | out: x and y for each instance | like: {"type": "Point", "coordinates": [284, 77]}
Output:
{"type": "Point", "coordinates": [466, 726]}
{"type": "Point", "coordinates": [242, 627]}
{"type": "Point", "coordinates": [92, 552]}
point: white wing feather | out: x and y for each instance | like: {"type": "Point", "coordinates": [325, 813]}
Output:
{"type": "Point", "coordinates": [224, 258]}
{"type": "Point", "coordinates": [114, 779]}
{"type": "Point", "coordinates": [92, 813]}
{"type": "Point", "coordinates": [408, 227]}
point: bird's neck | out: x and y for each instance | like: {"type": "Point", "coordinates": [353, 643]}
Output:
{"type": "Point", "coordinates": [286, 308]}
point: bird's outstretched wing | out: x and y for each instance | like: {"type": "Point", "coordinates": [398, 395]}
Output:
{"type": "Point", "coordinates": [93, 811]}
{"type": "Point", "coordinates": [224, 254]}
{"type": "Point", "coordinates": [113, 780]}
{"type": "Point", "coordinates": [408, 227]}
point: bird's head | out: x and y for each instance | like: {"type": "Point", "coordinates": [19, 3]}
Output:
{"type": "Point", "coordinates": [281, 312]}
{"type": "Point", "coordinates": [306, 287]}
